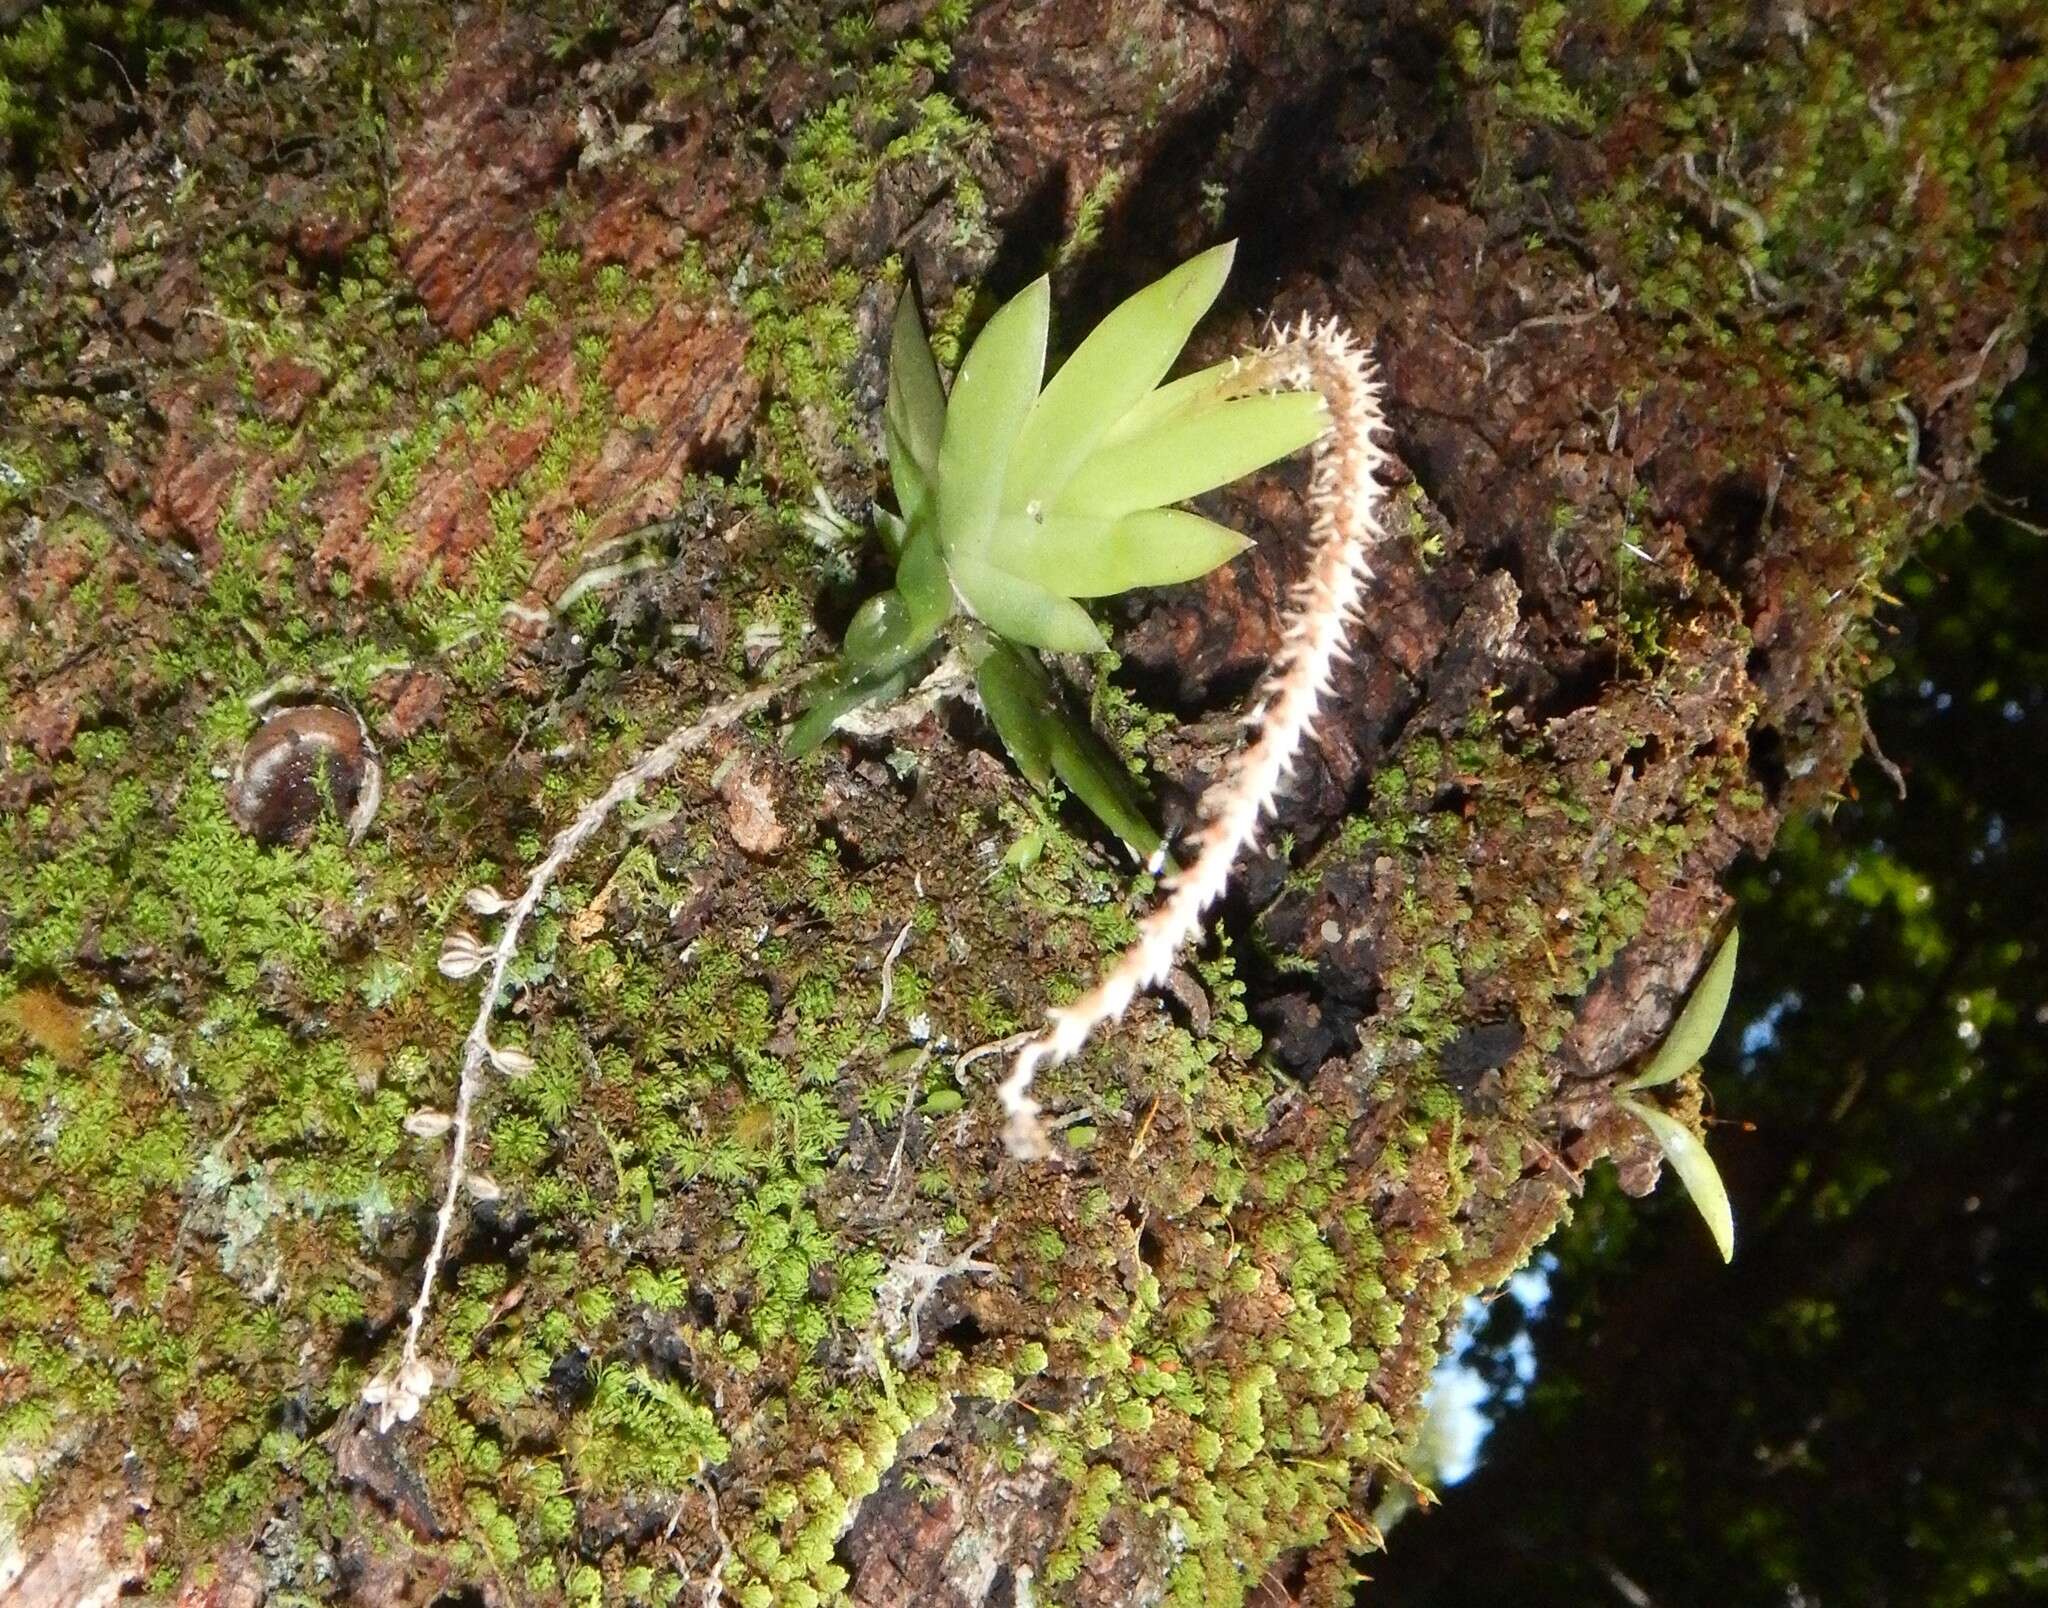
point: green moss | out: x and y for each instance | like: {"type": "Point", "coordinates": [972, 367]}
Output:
{"type": "Point", "coordinates": [212, 1200]}
{"type": "Point", "coordinates": [803, 309]}
{"type": "Point", "coordinates": [1527, 83]}
{"type": "Point", "coordinates": [52, 56]}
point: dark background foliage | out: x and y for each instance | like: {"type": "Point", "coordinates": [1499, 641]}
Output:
{"type": "Point", "coordinates": [1854, 1412]}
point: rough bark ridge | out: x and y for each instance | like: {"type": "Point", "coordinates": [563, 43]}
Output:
{"type": "Point", "coordinates": [468, 368]}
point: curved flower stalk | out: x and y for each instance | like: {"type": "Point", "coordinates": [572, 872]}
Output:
{"type": "Point", "coordinates": [397, 1393]}
{"type": "Point", "coordinates": [1345, 494]}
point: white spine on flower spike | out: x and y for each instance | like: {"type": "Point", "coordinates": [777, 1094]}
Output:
{"type": "Point", "coordinates": [1345, 493]}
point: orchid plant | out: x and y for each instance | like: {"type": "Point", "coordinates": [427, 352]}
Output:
{"type": "Point", "coordinates": [1019, 499]}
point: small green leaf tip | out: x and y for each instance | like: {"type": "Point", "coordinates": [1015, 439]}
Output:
{"type": "Point", "coordinates": [1025, 706]}
{"type": "Point", "coordinates": [1695, 1169]}
{"type": "Point", "coordinates": [837, 696]}
{"type": "Point", "coordinates": [921, 578]}
{"type": "Point", "coordinates": [1693, 1033]}
{"type": "Point", "coordinates": [1013, 694]}
{"type": "Point", "coordinates": [1095, 776]}
{"type": "Point", "coordinates": [881, 632]}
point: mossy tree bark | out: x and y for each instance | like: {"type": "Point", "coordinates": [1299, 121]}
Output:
{"type": "Point", "coordinates": [468, 369]}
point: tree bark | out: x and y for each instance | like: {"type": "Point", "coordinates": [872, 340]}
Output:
{"type": "Point", "coordinates": [467, 370]}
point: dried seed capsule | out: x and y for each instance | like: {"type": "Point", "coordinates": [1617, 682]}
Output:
{"type": "Point", "coordinates": [513, 1062]}
{"type": "Point", "coordinates": [461, 955]}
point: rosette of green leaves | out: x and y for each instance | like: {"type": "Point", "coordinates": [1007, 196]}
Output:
{"type": "Point", "coordinates": [1018, 501]}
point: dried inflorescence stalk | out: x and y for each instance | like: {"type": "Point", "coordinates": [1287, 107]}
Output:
{"type": "Point", "coordinates": [397, 1393]}
{"type": "Point", "coordinates": [1344, 493]}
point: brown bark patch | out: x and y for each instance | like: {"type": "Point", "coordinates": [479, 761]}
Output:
{"type": "Point", "coordinates": [195, 476]}
{"type": "Point", "coordinates": [683, 402]}
{"type": "Point", "coordinates": [1064, 110]}
{"type": "Point", "coordinates": [686, 402]}
{"type": "Point", "coordinates": [476, 171]}
{"type": "Point", "coordinates": [284, 385]}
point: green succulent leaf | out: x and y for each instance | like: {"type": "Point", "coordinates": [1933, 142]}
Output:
{"type": "Point", "coordinates": [914, 420]}
{"type": "Point", "coordinates": [921, 578]}
{"type": "Point", "coordinates": [1695, 1169]}
{"type": "Point", "coordinates": [992, 396]}
{"type": "Point", "coordinates": [1014, 694]}
{"type": "Point", "coordinates": [1204, 387]}
{"type": "Point", "coordinates": [1193, 451]}
{"type": "Point", "coordinates": [893, 529]}
{"type": "Point", "coordinates": [882, 632]}
{"type": "Point", "coordinates": [1021, 611]}
{"type": "Point", "coordinates": [1697, 1023]}
{"type": "Point", "coordinates": [1095, 776]}
{"type": "Point", "coordinates": [1123, 358]}
{"type": "Point", "coordinates": [842, 692]}
{"type": "Point", "coordinates": [1031, 716]}
{"type": "Point", "coordinates": [1081, 555]}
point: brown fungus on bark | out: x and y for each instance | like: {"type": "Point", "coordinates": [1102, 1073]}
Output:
{"type": "Point", "coordinates": [301, 762]}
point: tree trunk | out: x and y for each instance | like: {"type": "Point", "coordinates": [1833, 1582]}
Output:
{"type": "Point", "coordinates": [468, 371]}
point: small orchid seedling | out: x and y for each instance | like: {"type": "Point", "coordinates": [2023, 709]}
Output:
{"type": "Point", "coordinates": [1690, 1037]}
{"type": "Point", "coordinates": [1018, 502]}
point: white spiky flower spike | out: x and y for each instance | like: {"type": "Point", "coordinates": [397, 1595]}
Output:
{"type": "Point", "coordinates": [1345, 491]}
